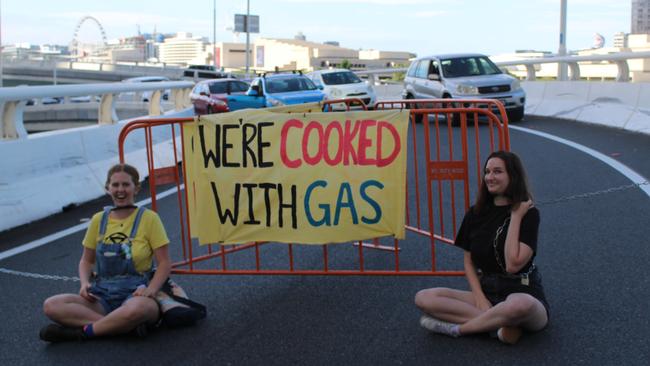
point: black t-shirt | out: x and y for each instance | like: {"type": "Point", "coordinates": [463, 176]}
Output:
{"type": "Point", "coordinates": [477, 233]}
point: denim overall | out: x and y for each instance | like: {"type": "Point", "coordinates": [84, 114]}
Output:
{"type": "Point", "coordinates": [116, 275]}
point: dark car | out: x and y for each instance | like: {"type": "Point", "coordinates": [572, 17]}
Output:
{"type": "Point", "coordinates": [211, 96]}
{"type": "Point", "coordinates": [205, 72]}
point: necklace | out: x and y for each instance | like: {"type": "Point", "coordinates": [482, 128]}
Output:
{"type": "Point", "coordinates": [495, 242]}
{"type": "Point", "coordinates": [123, 207]}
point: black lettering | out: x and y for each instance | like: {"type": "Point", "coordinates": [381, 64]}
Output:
{"type": "Point", "coordinates": [228, 214]}
{"type": "Point", "coordinates": [245, 141]}
{"type": "Point", "coordinates": [291, 205]}
{"type": "Point", "coordinates": [267, 200]}
{"type": "Point", "coordinates": [261, 144]}
{"type": "Point", "coordinates": [251, 213]}
{"type": "Point", "coordinates": [210, 155]}
{"type": "Point", "coordinates": [225, 146]}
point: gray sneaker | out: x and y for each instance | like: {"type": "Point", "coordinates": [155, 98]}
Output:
{"type": "Point", "coordinates": [439, 326]}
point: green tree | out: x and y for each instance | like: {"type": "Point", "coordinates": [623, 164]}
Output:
{"type": "Point", "coordinates": [345, 64]}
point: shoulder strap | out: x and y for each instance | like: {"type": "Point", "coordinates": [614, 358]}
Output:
{"type": "Point", "coordinates": [136, 222]}
{"type": "Point", "coordinates": [104, 222]}
{"type": "Point", "coordinates": [192, 304]}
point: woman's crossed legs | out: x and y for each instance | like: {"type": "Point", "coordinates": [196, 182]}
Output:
{"type": "Point", "coordinates": [517, 311]}
{"type": "Point", "coordinates": [72, 310]}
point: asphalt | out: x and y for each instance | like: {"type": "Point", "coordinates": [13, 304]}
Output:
{"type": "Point", "coordinates": [592, 253]}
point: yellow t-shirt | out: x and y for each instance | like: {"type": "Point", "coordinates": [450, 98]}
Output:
{"type": "Point", "coordinates": [150, 236]}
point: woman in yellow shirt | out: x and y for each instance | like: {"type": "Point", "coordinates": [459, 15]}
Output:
{"type": "Point", "coordinates": [121, 242]}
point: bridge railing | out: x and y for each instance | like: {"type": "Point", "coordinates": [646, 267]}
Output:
{"type": "Point", "coordinates": [573, 62]}
{"type": "Point", "coordinates": [14, 99]}
{"type": "Point", "coordinates": [128, 69]}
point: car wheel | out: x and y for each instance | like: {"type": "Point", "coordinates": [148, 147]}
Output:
{"type": "Point", "coordinates": [515, 115]}
{"type": "Point", "coordinates": [418, 117]}
{"type": "Point", "coordinates": [455, 117]}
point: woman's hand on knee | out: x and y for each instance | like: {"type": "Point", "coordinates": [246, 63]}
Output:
{"type": "Point", "coordinates": [145, 291]}
{"type": "Point", "coordinates": [84, 292]}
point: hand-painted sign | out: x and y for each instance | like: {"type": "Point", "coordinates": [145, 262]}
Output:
{"type": "Point", "coordinates": [313, 178]}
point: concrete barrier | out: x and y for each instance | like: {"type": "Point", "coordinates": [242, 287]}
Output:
{"type": "Point", "coordinates": [49, 171]}
{"type": "Point", "coordinates": [613, 104]}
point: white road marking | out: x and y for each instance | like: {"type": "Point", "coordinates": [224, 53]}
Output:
{"type": "Point", "coordinates": [621, 168]}
{"type": "Point", "coordinates": [630, 174]}
{"type": "Point", "coordinates": [69, 231]}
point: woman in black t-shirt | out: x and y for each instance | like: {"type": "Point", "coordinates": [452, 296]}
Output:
{"type": "Point", "coordinates": [499, 237]}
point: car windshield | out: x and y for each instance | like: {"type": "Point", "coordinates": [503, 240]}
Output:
{"type": "Point", "coordinates": [218, 88]}
{"type": "Point", "coordinates": [338, 78]}
{"type": "Point", "coordinates": [468, 66]}
{"type": "Point", "coordinates": [284, 85]}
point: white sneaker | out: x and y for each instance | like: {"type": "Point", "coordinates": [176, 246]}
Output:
{"type": "Point", "coordinates": [438, 326]}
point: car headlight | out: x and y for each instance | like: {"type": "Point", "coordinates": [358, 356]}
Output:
{"type": "Point", "coordinates": [272, 102]}
{"type": "Point", "coordinates": [516, 85]}
{"type": "Point", "coordinates": [466, 89]}
{"type": "Point", "coordinates": [334, 92]}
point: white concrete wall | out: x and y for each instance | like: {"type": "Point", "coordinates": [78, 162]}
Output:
{"type": "Point", "coordinates": [46, 172]}
{"type": "Point", "coordinates": [620, 105]}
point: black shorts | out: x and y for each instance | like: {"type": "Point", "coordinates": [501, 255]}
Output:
{"type": "Point", "coordinates": [497, 287]}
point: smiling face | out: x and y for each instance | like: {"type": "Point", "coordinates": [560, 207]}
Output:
{"type": "Point", "coordinates": [496, 177]}
{"type": "Point", "coordinates": [122, 189]}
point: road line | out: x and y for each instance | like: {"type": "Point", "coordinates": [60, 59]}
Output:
{"type": "Point", "coordinates": [630, 174]}
{"type": "Point", "coordinates": [633, 176]}
{"type": "Point", "coordinates": [69, 231]}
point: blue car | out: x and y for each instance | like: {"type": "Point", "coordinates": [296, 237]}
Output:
{"type": "Point", "coordinates": [276, 90]}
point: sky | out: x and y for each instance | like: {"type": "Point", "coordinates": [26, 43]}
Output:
{"type": "Point", "coordinates": [420, 26]}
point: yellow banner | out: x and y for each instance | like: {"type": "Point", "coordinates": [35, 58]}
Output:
{"type": "Point", "coordinates": [296, 177]}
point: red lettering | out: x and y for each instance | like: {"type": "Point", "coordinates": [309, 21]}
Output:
{"type": "Point", "coordinates": [334, 125]}
{"type": "Point", "coordinates": [333, 143]}
{"type": "Point", "coordinates": [365, 142]}
{"type": "Point", "coordinates": [321, 143]}
{"type": "Point", "coordinates": [283, 143]}
{"type": "Point", "coordinates": [348, 137]}
{"type": "Point", "coordinates": [396, 143]}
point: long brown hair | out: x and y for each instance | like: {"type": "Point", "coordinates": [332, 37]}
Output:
{"type": "Point", "coordinates": [518, 189]}
{"type": "Point", "coordinates": [126, 168]}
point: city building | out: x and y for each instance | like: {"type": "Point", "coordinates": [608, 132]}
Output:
{"type": "Point", "coordinates": [640, 16]}
{"type": "Point", "coordinates": [620, 40]}
{"type": "Point", "coordinates": [300, 54]}
{"type": "Point", "coordinates": [131, 49]}
{"type": "Point", "coordinates": [27, 51]}
{"type": "Point", "coordinates": [231, 55]}
{"type": "Point", "coordinates": [183, 49]}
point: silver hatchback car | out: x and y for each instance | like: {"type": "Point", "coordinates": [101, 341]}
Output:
{"type": "Point", "coordinates": [464, 76]}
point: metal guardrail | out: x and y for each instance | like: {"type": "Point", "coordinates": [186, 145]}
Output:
{"type": "Point", "coordinates": [126, 69]}
{"type": "Point", "coordinates": [14, 99]}
{"type": "Point", "coordinates": [620, 59]}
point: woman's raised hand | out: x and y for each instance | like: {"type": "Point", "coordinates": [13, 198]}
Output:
{"type": "Point", "coordinates": [523, 207]}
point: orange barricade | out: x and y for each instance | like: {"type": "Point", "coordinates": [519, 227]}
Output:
{"type": "Point", "coordinates": [445, 159]}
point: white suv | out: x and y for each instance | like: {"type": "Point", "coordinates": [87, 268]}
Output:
{"type": "Point", "coordinates": [464, 76]}
{"type": "Point", "coordinates": [342, 83]}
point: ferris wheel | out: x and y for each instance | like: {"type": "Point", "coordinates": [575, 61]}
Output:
{"type": "Point", "coordinates": [83, 49]}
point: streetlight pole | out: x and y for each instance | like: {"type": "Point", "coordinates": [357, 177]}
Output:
{"type": "Point", "coordinates": [562, 72]}
{"type": "Point", "coordinates": [1, 49]}
{"type": "Point", "coordinates": [247, 24]}
{"type": "Point", "coordinates": [214, 34]}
